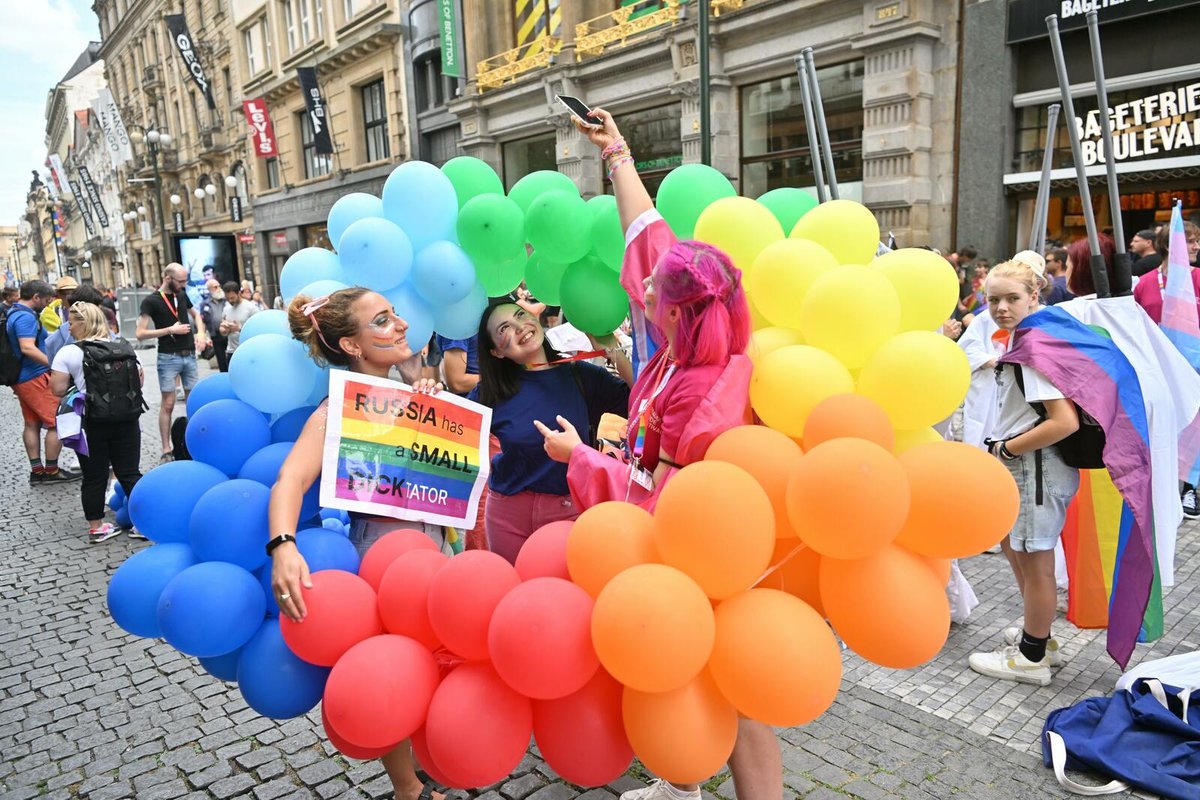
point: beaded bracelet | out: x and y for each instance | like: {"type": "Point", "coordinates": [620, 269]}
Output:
{"type": "Point", "coordinates": [617, 164]}
{"type": "Point", "coordinates": [616, 145]}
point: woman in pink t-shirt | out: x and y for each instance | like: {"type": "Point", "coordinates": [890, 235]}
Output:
{"type": "Point", "coordinates": [686, 297]}
{"type": "Point", "coordinates": [1150, 287]}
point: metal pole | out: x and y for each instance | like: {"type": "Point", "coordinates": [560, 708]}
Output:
{"type": "Point", "coordinates": [1041, 209]}
{"type": "Point", "coordinates": [819, 112]}
{"type": "Point", "coordinates": [1099, 268]}
{"type": "Point", "coordinates": [810, 127]}
{"type": "Point", "coordinates": [705, 117]}
{"type": "Point", "coordinates": [162, 220]}
{"type": "Point", "coordinates": [1122, 263]}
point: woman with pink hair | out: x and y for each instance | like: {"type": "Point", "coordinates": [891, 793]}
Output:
{"type": "Point", "coordinates": [688, 302]}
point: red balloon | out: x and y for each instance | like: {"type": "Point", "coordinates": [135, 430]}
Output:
{"type": "Point", "coordinates": [342, 611]}
{"type": "Point", "coordinates": [544, 554]}
{"type": "Point", "coordinates": [387, 549]}
{"type": "Point", "coordinates": [351, 750]}
{"type": "Point", "coordinates": [425, 761]}
{"type": "Point", "coordinates": [462, 596]}
{"type": "Point", "coordinates": [540, 638]}
{"type": "Point", "coordinates": [582, 736]}
{"type": "Point", "coordinates": [478, 728]}
{"type": "Point", "coordinates": [379, 692]}
{"type": "Point", "coordinates": [404, 595]}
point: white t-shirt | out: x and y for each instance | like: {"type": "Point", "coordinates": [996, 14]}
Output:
{"type": "Point", "coordinates": [69, 359]}
{"type": "Point", "coordinates": [1014, 415]}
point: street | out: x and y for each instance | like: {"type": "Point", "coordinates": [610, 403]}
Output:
{"type": "Point", "coordinates": [89, 711]}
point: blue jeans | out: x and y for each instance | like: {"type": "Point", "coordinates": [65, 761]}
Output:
{"type": "Point", "coordinates": [172, 365]}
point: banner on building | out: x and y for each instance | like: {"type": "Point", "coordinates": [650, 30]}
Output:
{"type": "Point", "coordinates": [1027, 18]}
{"type": "Point", "coordinates": [177, 221]}
{"type": "Point", "coordinates": [260, 124]}
{"type": "Point", "coordinates": [58, 173]}
{"type": "Point", "coordinates": [448, 31]}
{"type": "Point", "coordinates": [82, 204]}
{"type": "Point", "coordinates": [177, 25]}
{"type": "Point", "coordinates": [317, 113]}
{"type": "Point", "coordinates": [235, 208]}
{"type": "Point", "coordinates": [93, 195]}
{"type": "Point", "coordinates": [115, 135]}
{"type": "Point", "coordinates": [48, 182]}
{"type": "Point", "coordinates": [394, 453]}
{"type": "Point", "coordinates": [60, 226]}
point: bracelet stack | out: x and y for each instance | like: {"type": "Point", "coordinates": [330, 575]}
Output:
{"type": "Point", "coordinates": [616, 155]}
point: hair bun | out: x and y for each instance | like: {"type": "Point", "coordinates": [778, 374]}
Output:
{"type": "Point", "coordinates": [1034, 261]}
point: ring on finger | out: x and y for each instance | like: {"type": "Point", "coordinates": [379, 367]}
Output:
{"type": "Point", "coordinates": [285, 596]}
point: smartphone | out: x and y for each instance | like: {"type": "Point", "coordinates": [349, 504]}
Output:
{"type": "Point", "coordinates": [578, 108]}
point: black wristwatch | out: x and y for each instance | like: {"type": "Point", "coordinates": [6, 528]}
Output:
{"type": "Point", "coordinates": [278, 540]}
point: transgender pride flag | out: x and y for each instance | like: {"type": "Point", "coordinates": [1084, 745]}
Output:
{"type": "Point", "coordinates": [1179, 319]}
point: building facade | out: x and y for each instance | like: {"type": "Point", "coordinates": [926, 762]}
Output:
{"type": "Point", "coordinates": [887, 71]}
{"type": "Point", "coordinates": [105, 254]}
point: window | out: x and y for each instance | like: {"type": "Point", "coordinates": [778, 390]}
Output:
{"type": "Point", "coordinates": [178, 119]}
{"type": "Point", "coordinates": [653, 137]}
{"type": "Point", "coordinates": [305, 21]}
{"type": "Point", "coordinates": [432, 87]}
{"type": "Point", "coordinates": [438, 147]}
{"type": "Point", "coordinates": [315, 164]}
{"type": "Point", "coordinates": [272, 173]}
{"type": "Point", "coordinates": [775, 142]}
{"type": "Point", "coordinates": [228, 90]}
{"type": "Point", "coordinates": [252, 65]}
{"type": "Point", "coordinates": [527, 155]}
{"type": "Point", "coordinates": [319, 15]}
{"type": "Point", "coordinates": [535, 18]}
{"type": "Point", "coordinates": [195, 111]}
{"type": "Point", "coordinates": [374, 107]}
{"type": "Point", "coordinates": [289, 24]}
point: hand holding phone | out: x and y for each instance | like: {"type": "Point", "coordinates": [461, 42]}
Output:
{"type": "Point", "coordinates": [578, 108]}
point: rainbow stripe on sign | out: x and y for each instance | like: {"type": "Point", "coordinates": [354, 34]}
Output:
{"type": "Point", "coordinates": [394, 453]}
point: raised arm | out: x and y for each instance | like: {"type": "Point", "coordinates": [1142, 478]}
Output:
{"type": "Point", "coordinates": [632, 197]}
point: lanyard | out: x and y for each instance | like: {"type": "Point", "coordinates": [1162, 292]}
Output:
{"type": "Point", "coordinates": [170, 304]}
{"type": "Point", "coordinates": [1162, 281]}
{"type": "Point", "coordinates": [577, 357]}
{"type": "Point", "coordinates": [639, 443]}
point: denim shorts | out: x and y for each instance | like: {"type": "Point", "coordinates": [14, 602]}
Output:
{"type": "Point", "coordinates": [1038, 526]}
{"type": "Point", "coordinates": [365, 531]}
{"type": "Point", "coordinates": [172, 365]}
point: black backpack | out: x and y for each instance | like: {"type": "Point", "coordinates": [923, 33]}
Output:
{"type": "Point", "coordinates": [10, 360]}
{"type": "Point", "coordinates": [114, 385]}
{"type": "Point", "coordinates": [1083, 449]}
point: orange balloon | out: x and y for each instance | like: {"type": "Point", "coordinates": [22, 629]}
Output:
{"type": "Point", "coordinates": [797, 573]}
{"type": "Point", "coordinates": [769, 456]}
{"type": "Point", "coordinates": [685, 735]}
{"type": "Point", "coordinates": [848, 498]}
{"type": "Point", "coordinates": [848, 415]}
{"type": "Point", "coordinates": [607, 539]}
{"type": "Point", "coordinates": [889, 608]}
{"type": "Point", "coordinates": [775, 658]}
{"type": "Point", "coordinates": [940, 567]}
{"type": "Point", "coordinates": [653, 628]}
{"type": "Point", "coordinates": [715, 522]}
{"type": "Point", "coordinates": [984, 493]}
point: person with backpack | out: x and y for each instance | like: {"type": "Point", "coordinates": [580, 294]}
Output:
{"type": "Point", "coordinates": [1032, 417]}
{"type": "Point", "coordinates": [25, 367]}
{"type": "Point", "coordinates": [106, 371]}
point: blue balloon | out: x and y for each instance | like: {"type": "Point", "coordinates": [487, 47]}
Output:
{"type": "Point", "coordinates": [413, 309]}
{"type": "Point", "coordinates": [116, 499]}
{"type": "Point", "coordinates": [320, 386]}
{"type": "Point", "coordinates": [306, 266]}
{"type": "Point", "coordinates": [214, 387]}
{"type": "Point", "coordinates": [376, 254]}
{"type": "Point", "coordinates": [229, 523]}
{"type": "Point", "coordinates": [443, 274]}
{"type": "Point", "coordinates": [161, 503]}
{"type": "Point", "coordinates": [121, 516]}
{"type": "Point", "coordinates": [272, 373]}
{"type": "Point", "coordinates": [270, 321]}
{"type": "Point", "coordinates": [287, 427]}
{"type": "Point", "coordinates": [419, 198]}
{"type": "Point", "coordinates": [211, 609]}
{"type": "Point", "coordinates": [273, 681]}
{"type": "Point", "coordinates": [322, 549]}
{"type": "Point", "coordinates": [224, 434]}
{"type": "Point", "coordinates": [135, 587]}
{"type": "Point", "coordinates": [223, 667]}
{"type": "Point", "coordinates": [349, 209]}
{"type": "Point", "coordinates": [461, 320]}
{"type": "Point", "coordinates": [332, 524]}
{"type": "Point", "coordinates": [263, 467]}
{"type": "Point", "coordinates": [321, 288]}
{"type": "Point", "coordinates": [335, 513]}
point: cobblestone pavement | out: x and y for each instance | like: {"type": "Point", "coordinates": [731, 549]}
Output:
{"type": "Point", "coordinates": [88, 711]}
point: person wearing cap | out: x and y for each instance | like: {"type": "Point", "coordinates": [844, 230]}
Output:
{"type": "Point", "coordinates": [53, 315]}
{"type": "Point", "coordinates": [1146, 255]}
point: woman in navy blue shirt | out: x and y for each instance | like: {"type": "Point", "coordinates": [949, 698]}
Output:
{"type": "Point", "coordinates": [521, 382]}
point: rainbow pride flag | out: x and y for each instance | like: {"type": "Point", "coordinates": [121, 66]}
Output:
{"type": "Point", "coordinates": [1090, 370]}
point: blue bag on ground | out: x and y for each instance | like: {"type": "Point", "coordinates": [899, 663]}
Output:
{"type": "Point", "coordinates": [1146, 738]}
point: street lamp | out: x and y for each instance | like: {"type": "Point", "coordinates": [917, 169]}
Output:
{"type": "Point", "coordinates": [199, 193]}
{"type": "Point", "coordinates": [154, 141]}
{"type": "Point", "coordinates": [231, 182]}
{"type": "Point", "coordinates": [210, 190]}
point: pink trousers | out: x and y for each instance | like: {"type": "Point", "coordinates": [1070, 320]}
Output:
{"type": "Point", "coordinates": [511, 519]}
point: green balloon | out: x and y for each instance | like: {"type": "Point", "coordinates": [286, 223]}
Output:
{"type": "Point", "coordinates": [490, 229]}
{"type": "Point", "coordinates": [592, 297]}
{"type": "Point", "coordinates": [502, 277]}
{"type": "Point", "coordinates": [608, 240]}
{"type": "Point", "coordinates": [686, 192]}
{"type": "Point", "coordinates": [788, 205]}
{"type": "Point", "coordinates": [543, 278]}
{"type": "Point", "coordinates": [471, 178]}
{"type": "Point", "coordinates": [559, 226]}
{"type": "Point", "coordinates": [526, 190]}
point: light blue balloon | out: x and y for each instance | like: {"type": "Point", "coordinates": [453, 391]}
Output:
{"type": "Point", "coordinates": [135, 587]}
{"type": "Point", "coordinates": [376, 254]}
{"type": "Point", "coordinates": [321, 288]}
{"type": "Point", "coordinates": [211, 609]}
{"type": "Point", "coordinates": [348, 210]}
{"type": "Point", "coordinates": [320, 388]}
{"type": "Point", "coordinates": [443, 274]}
{"type": "Point", "coordinates": [413, 309]}
{"type": "Point", "coordinates": [461, 320]}
{"type": "Point", "coordinates": [272, 373]}
{"type": "Point", "coordinates": [270, 321]}
{"type": "Point", "coordinates": [214, 387]}
{"type": "Point", "coordinates": [308, 266]}
{"type": "Point", "coordinates": [421, 199]}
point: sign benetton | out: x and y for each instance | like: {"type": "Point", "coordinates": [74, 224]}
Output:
{"type": "Point", "coordinates": [1157, 123]}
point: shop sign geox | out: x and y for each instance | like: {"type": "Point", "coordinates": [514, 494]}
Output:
{"type": "Point", "coordinates": [177, 25]}
{"type": "Point", "coordinates": [1161, 123]}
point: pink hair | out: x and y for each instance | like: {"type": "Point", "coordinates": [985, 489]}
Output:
{"type": "Point", "coordinates": [714, 318]}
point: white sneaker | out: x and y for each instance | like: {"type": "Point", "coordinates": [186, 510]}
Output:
{"type": "Point", "coordinates": [1190, 508]}
{"type": "Point", "coordinates": [103, 533]}
{"type": "Point", "coordinates": [1009, 664]}
{"type": "Point", "coordinates": [660, 790]}
{"type": "Point", "coordinates": [1055, 657]}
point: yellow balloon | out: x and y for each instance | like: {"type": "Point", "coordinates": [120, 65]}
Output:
{"type": "Point", "coordinates": [757, 320]}
{"type": "Point", "coordinates": [918, 377]}
{"type": "Point", "coordinates": [926, 284]}
{"type": "Point", "coordinates": [789, 382]}
{"type": "Point", "coordinates": [906, 440]}
{"type": "Point", "coordinates": [765, 341]}
{"type": "Point", "coordinates": [782, 275]}
{"type": "Point", "coordinates": [739, 226]}
{"type": "Point", "coordinates": [849, 312]}
{"type": "Point", "coordinates": [843, 227]}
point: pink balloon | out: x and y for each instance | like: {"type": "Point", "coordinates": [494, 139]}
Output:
{"type": "Point", "coordinates": [387, 549]}
{"type": "Point", "coordinates": [379, 692]}
{"type": "Point", "coordinates": [540, 638]}
{"type": "Point", "coordinates": [544, 554]}
{"type": "Point", "coordinates": [404, 595]}
{"type": "Point", "coordinates": [582, 736]}
{"type": "Point", "coordinates": [342, 612]}
{"type": "Point", "coordinates": [462, 597]}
